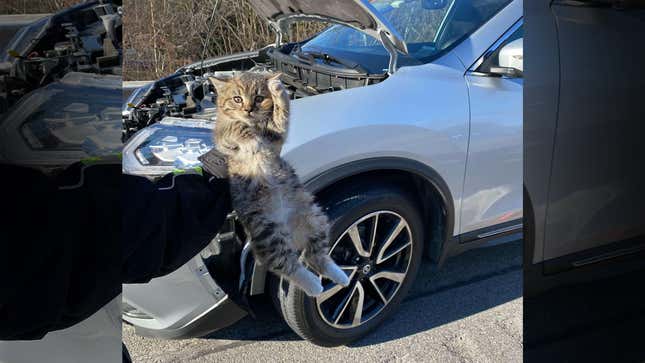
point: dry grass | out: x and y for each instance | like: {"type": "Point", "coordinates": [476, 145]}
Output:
{"type": "Point", "coordinates": [160, 36]}
{"type": "Point", "coordinates": [163, 35]}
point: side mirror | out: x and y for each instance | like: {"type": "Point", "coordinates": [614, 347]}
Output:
{"type": "Point", "coordinates": [511, 59]}
{"type": "Point", "coordinates": [434, 4]}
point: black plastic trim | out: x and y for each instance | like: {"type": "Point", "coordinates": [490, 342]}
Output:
{"type": "Point", "coordinates": [614, 251]}
{"type": "Point", "coordinates": [226, 314]}
{"type": "Point", "coordinates": [587, 3]}
{"type": "Point", "coordinates": [353, 168]}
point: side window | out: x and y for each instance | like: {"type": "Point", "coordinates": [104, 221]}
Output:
{"type": "Point", "coordinates": [465, 17]}
{"type": "Point", "coordinates": [507, 59]}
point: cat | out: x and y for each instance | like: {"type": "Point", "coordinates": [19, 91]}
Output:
{"type": "Point", "coordinates": [282, 218]}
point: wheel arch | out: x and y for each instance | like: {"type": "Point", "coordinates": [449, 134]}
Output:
{"type": "Point", "coordinates": [436, 201]}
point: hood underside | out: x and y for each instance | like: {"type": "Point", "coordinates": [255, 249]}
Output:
{"type": "Point", "coordinates": [358, 14]}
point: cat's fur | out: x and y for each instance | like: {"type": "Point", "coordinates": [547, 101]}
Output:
{"type": "Point", "coordinates": [281, 216]}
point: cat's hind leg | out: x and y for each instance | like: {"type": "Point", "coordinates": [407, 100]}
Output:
{"type": "Point", "coordinates": [272, 247]}
{"type": "Point", "coordinates": [311, 231]}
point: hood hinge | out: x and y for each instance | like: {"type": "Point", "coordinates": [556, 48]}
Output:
{"type": "Point", "coordinates": [278, 33]}
{"type": "Point", "coordinates": [387, 43]}
{"type": "Point", "coordinates": [394, 54]}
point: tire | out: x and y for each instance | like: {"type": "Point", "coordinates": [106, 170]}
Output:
{"type": "Point", "coordinates": [347, 206]}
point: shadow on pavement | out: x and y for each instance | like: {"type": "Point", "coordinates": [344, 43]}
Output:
{"type": "Point", "coordinates": [467, 284]}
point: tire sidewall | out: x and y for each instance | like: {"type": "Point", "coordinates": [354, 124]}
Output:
{"type": "Point", "coordinates": [342, 215]}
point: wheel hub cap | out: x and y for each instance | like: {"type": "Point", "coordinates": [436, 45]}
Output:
{"type": "Point", "coordinates": [375, 252]}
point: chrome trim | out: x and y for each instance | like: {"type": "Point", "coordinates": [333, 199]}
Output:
{"type": "Point", "coordinates": [258, 279]}
{"type": "Point", "coordinates": [473, 68]}
{"type": "Point", "coordinates": [258, 273]}
{"type": "Point", "coordinates": [608, 256]}
{"type": "Point", "coordinates": [500, 231]}
{"type": "Point", "coordinates": [243, 257]}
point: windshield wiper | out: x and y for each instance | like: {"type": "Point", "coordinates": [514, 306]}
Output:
{"type": "Point", "coordinates": [327, 58]}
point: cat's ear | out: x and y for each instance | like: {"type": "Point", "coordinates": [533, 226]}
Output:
{"type": "Point", "coordinates": [220, 81]}
{"type": "Point", "coordinates": [273, 76]}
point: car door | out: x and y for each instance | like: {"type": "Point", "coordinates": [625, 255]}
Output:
{"type": "Point", "coordinates": [601, 52]}
{"type": "Point", "coordinates": [492, 193]}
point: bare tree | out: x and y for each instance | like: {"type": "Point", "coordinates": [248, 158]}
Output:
{"type": "Point", "coordinates": [163, 35]}
{"type": "Point", "coordinates": [34, 6]}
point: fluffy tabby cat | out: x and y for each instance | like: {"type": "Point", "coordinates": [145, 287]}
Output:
{"type": "Point", "coordinates": [282, 218]}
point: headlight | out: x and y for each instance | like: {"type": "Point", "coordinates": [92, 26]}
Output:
{"type": "Point", "coordinates": [68, 120]}
{"type": "Point", "coordinates": [169, 145]}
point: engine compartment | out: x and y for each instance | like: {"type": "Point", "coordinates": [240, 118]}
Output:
{"type": "Point", "coordinates": [84, 38]}
{"type": "Point", "coordinates": [188, 94]}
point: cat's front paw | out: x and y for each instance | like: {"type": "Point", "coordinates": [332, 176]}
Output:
{"type": "Point", "coordinates": [275, 87]}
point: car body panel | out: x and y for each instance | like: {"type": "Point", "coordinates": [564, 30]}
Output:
{"type": "Point", "coordinates": [540, 105]}
{"type": "Point", "coordinates": [362, 123]}
{"type": "Point", "coordinates": [595, 127]}
{"type": "Point", "coordinates": [493, 182]}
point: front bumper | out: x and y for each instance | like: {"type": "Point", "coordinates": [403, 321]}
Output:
{"type": "Point", "coordinates": [189, 302]}
{"type": "Point", "coordinates": [186, 303]}
{"type": "Point", "coordinates": [223, 314]}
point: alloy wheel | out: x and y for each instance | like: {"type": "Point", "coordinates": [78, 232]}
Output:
{"type": "Point", "coordinates": [375, 252]}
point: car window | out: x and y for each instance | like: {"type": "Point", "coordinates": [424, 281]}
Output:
{"type": "Point", "coordinates": [427, 28]}
{"type": "Point", "coordinates": [464, 18]}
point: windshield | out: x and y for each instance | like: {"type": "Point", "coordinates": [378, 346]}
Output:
{"type": "Point", "coordinates": [429, 27]}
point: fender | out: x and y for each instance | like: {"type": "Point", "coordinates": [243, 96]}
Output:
{"type": "Point", "coordinates": [353, 168]}
{"type": "Point", "coordinates": [344, 171]}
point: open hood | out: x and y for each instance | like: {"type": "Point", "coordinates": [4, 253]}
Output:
{"type": "Point", "coordinates": [358, 14]}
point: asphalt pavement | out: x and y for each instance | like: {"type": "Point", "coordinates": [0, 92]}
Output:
{"type": "Point", "coordinates": [469, 311]}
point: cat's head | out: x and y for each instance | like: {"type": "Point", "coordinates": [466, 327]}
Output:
{"type": "Point", "coordinates": [245, 97]}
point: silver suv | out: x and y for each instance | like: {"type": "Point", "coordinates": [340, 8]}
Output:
{"type": "Point", "coordinates": [406, 124]}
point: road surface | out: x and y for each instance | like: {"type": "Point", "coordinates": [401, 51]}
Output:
{"type": "Point", "coordinates": [470, 311]}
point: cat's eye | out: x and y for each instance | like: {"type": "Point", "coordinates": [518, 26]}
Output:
{"type": "Point", "coordinates": [259, 99]}
{"type": "Point", "coordinates": [237, 99]}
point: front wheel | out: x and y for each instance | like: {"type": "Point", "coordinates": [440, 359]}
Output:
{"type": "Point", "coordinates": [377, 239]}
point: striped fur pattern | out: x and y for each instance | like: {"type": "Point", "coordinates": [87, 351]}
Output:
{"type": "Point", "coordinates": [285, 224]}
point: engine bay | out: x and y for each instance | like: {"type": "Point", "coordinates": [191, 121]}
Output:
{"type": "Point", "coordinates": [84, 38]}
{"type": "Point", "coordinates": [188, 94]}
